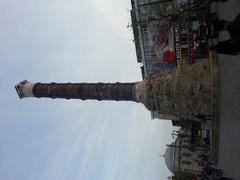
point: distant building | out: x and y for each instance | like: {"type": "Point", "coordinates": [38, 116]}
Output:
{"type": "Point", "coordinates": [186, 155]}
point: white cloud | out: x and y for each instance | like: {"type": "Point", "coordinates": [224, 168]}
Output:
{"type": "Point", "coordinates": [115, 11]}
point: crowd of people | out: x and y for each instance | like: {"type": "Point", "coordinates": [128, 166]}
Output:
{"type": "Point", "coordinates": [213, 173]}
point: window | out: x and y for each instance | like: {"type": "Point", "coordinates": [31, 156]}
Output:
{"type": "Point", "coordinates": [150, 69]}
{"type": "Point", "coordinates": [147, 48]}
{"type": "Point", "coordinates": [141, 1]}
{"type": "Point", "coordinates": [145, 37]}
{"type": "Point", "coordinates": [144, 27]}
{"type": "Point", "coordinates": [186, 162]}
{"type": "Point", "coordinates": [187, 154]}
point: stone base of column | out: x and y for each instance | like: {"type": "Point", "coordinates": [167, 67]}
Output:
{"type": "Point", "coordinates": [184, 92]}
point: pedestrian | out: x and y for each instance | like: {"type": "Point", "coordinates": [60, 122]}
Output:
{"type": "Point", "coordinates": [203, 117]}
{"type": "Point", "coordinates": [226, 47]}
{"type": "Point", "coordinates": [232, 45]}
{"type": "Point", "coordinates": [225, 178]}
{"type": "Point", "coordinates": [203, 157]}
{"type": "Point", "coordinates": [219, 0]}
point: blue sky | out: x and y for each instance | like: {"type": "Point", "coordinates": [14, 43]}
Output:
{"type": "Point", "coordinates": [73, 41]}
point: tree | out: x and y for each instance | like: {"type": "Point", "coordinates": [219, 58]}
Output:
{"type": "Point", "coordinates": [168, 14]}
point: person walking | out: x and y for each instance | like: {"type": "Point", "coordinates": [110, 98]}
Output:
{"type": "Point", "coordinates": [232, 45]}
{"type": "Point", "coordinates": [203, 118]}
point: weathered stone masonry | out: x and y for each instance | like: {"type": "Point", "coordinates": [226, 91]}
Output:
{"type": "Point", "coordinates": [183, 92]}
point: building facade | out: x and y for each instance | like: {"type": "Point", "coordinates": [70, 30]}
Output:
{"type": "Point", "coordinates": [179, 158]}
{"type": "Point", "coordinates": [167, 34]}
{"type": "Point", "coordinates": [154, 41]}
{"type": "Point", "coordinates": [192, 31]}
{"type": "Point", "coordinates": [189, 153]}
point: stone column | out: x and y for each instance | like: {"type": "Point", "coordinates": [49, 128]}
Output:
{"type": "Point", "coordinates": [183, 92]}
{"type": "Point", "coordinates": [83, 91]}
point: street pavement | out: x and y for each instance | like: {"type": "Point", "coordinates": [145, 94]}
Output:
{"type": "Point", "coordinates": [229, 125]}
